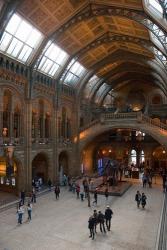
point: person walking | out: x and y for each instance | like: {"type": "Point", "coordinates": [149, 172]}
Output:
{"type": "Point", "coordinates": [91, 224]}
{"type": "Point", "coordinates": [138, 198]}
{"type": "Point", "coordinates": [49, 184]}
{"type": "Point", "coordinates": [33, 195]}
{"type": "Point", "coordinates": [95, 197]}
{"type": "Point", "coordinates": [101, 219]}
{"type": "Point", "coordinates": [29, 211]}
{"type": "Point", "coordinates": [57, 191]}
{"type": "Point", "coordinates": [77, 190]}
{"type": "Point", "coordinates": [143, 200]}
{"type": "Point", "coordinates": [22, 196]}
{"type": "Point", "coordinates": [20, 212]}
{"type": "Point", "coordinates": [95, 215]}
{"type": "Point", "coordinates": [106, 194]}
{"type": "Point", "coordinates": [108, 216]}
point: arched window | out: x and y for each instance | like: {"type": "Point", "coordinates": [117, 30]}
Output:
{"type": "Point", "coordinates": [142, 157]}
{"type": "Point", "coordinates": [133, 156]}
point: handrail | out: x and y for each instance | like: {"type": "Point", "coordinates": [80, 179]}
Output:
{"type": "Point", "coordinates": [147, 119]}
{"type": "Point", "coordinates": [161, 243]}
{"type": "Point", "coordinates": [130, 115]}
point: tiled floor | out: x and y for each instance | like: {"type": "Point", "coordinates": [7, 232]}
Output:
{"type": "Point", "coordinates": [63, 225]}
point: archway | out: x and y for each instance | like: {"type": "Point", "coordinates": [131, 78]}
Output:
{"type": "Point", "coordinates": [159, 158]}
{"type": "Point", "coordinates": [63, 163]}
{"type": "Point", "coordinates": [40, 166]}
{"type": "Point", "coordinates": [11, 179]}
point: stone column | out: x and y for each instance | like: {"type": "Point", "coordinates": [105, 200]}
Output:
{"type": "Point", "coordinates": [28, 146]}
{"type": "Point", "coordinates": [55, 144]}
{"type": "Point", "coordinates": [1, 112]}
{"type": "Point", "coordinates": [36, 126]}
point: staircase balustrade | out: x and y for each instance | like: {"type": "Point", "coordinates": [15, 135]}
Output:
{"type": "Point", "coordinates": [138, 116]}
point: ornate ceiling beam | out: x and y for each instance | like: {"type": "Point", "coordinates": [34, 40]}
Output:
{"type": "Point", "coordinates": [123, 83]}
{"type": "Point", "coordinates": [92, 10]}
{"type": "Point", "coordinates": [124, 67]}
{"type": "Point", "coordinates": [119, 55]}
{"type": "Point", "coordinates": [7, 11]}
{"type": "Point", "coordinates": [110, 37]}
{"type": "Point", "coordinates": [126, 75]}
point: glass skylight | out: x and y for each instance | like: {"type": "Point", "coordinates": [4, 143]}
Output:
{"type": "Point", "coordinates": [20, 39]}
{"type": "Point", "coordinates": [101, 90]}
{"type": "Point", "coordinates": [156, 5]}
{"type": "Point", "coordinates": [76, 70]}
{"type": "Point", "coordinates": [52, 59]}
{"type": "Point", "coordinates": [90, 85]}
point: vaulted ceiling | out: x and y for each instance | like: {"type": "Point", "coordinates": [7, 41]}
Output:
{"type": "Point", "coordinates": [110, 38]}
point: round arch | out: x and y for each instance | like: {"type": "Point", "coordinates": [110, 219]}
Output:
{"type": "Point", "coordinates": [41, 167]}
{"type": "Point", "coordinates": [63, 161]}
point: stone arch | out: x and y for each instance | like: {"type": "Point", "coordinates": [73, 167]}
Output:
{"type": "Point", "coordinates": [63, 161]}
{"type": "Point", "coordinates": [41, 166]}
{"type": "Point", "coordinates": [88, 137]}
{"type": "Point", "coordinates": [16, 181]}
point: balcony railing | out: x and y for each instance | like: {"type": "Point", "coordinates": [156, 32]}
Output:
{"type": "Point", "coordinates": [5, 141]}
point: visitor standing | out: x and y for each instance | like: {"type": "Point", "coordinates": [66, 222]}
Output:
{"type": "Point", "coordinates": [49, 184]}
{"type": "Point", "coordinates": [95, 197]}
{"type": "Point", "coordinates": [33, 195]}
{"type": "Point", "coordinates": [29, 211]}
{"type": "Point", "coordinates": [95, 215]}
{"type": "Point", "coordinates": [91, 224]}
{"type": "Point", "coordinates": [108, 216]}
{"type": "Point", "coordinates": [57, 192]}
{"type": "Point", "coordinates": [101, 219]}
{"type": "Point", "coordinates": [106, 194]}
{"type": "Point", "coordinates": [138, 198]}
{"type": "Point", "coordinates": [20, 213]}
{"type": "Point", "coordinates": [143, 200]}
{"type": "Point", "coordinates": [22, 196]}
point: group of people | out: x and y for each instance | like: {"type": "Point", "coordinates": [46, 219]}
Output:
{"type": "Point", "coordinates": [101, 219]}
{"type": "Point", "coordinates": [140, 199]}
{"type": "Point", "coordinates": [21, 211]}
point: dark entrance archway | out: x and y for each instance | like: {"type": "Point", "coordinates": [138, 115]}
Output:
{"type": "Point", "coordinates": [40, 167]}
{"type": "Point", "coordinates": [63, 163]}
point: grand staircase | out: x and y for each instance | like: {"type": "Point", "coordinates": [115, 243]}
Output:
{"type": "Point", "coordinates": [133, 120]}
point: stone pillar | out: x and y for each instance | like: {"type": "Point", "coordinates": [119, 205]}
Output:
{"type": "Point", "coordinates": [55, 145]}
{"type": "Point", "coordinates": [36, 126]}
{"type": "Point", "coordinates": [28, 146]}
{"type": "Point", "coordinates": [43, 126]}
{"type": "Point", "coordinates": [1, 112]}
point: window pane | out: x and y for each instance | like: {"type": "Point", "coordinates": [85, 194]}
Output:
{"type": "Point", "coordinates": [34, 38]}
{"type": "Point", "coordinates": [23, 31]}
{"type": "Point", "coordinates": [5, 41]}
{"type": "Point", "coordinates": [21, 35]}
{"type": "Point", "coordinates": [12, 45]}
{"type": "Point", "coordinates": [53, 70]}
{"type": "Point", "coordinates": [52, 59]}
{"type": "Point", "coordinates": [17, 48]}
{"type": "Point", "coordinates": [13, 24]}
{"type": "Point", "coordinates": [25, 52]}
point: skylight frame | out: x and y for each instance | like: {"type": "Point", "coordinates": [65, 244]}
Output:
{"type": "Point", "coordinates": [73, 73]}
{"type": "Point", "coordinates": [53, 55]}
{"type": "Point", "coordinates": [18, 39]}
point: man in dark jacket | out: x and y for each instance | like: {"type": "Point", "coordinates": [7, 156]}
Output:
{"type": "Point", "coordinates": [91, 225]}
{"type": "Point", "coordinates": [108, 216]}
{"type": "Point", "coordinates": [101, 220]}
